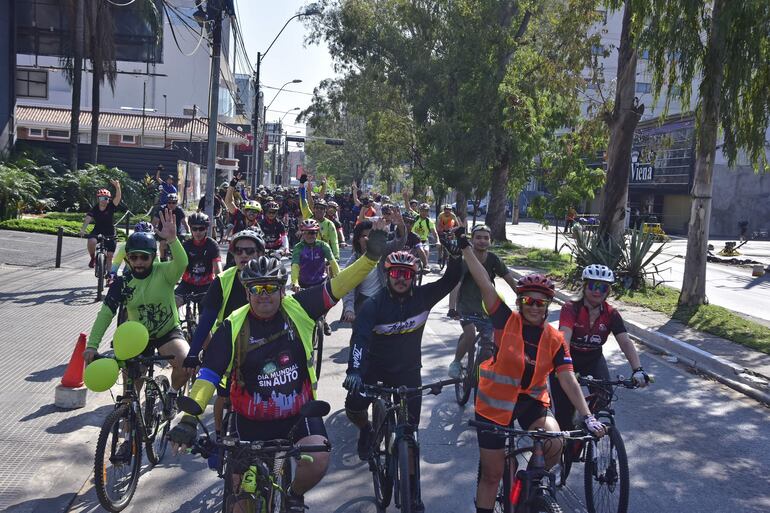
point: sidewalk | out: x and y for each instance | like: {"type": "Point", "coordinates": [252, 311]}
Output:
{"type": "Point", "coordinates": [737, 366]}
{"type": "Point", "coordinates": [48, 452]}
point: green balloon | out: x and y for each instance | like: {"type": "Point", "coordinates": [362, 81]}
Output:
{"type": "Point", "coordinates": [130, 340]}
{"type": "Point", "coordinates": [101, 374]}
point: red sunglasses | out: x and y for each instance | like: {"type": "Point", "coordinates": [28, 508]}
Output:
{"type": "Point", "coordinates": [406, 274]}
{"type": "Point", "coordinates": [531, 301]}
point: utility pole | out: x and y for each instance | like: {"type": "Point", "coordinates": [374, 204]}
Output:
{"type": "Point", "coordinates": [214, 14]}
{"type": "Point", "coordinates": [255, 122]}
{"type": "Point", "coordinates": [189, 155]}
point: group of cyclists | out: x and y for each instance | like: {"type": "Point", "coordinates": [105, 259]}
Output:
{"type": "Point", "coordinates": [253, 343]}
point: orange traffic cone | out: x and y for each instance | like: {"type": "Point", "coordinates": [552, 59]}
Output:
{"type": "Point", "coordinates": [73, 376]}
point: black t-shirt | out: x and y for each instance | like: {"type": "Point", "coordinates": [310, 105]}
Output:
{"type": "Point", "coordinates": [178, 214]}
{"type": "Point", "coordinates": [499, 316]}
{"type": "Point", "coordinates": [200, 261]}
{"type": "Point", "coordinates": [274, 231]}
{"type": "Point", "coordinates": [412, 239]}
{"type": "Point", "coordinates": [103, 219]}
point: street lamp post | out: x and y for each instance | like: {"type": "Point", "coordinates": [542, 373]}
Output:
{"type": "Point", "coordinates": [257, 123]}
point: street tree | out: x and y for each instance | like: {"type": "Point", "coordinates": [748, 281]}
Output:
{"type": "Point", "coordinates": [725, 44]}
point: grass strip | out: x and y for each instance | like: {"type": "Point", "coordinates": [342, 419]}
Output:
{"type": "Point", "coordinates": [712, 319]}
{"type": "Point", "coordinates": [43, 225]}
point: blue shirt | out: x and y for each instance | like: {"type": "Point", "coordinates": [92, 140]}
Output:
{"type": "Point", "coordinates": [166, 189]}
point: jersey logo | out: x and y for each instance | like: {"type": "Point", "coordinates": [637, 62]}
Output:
{"type": "Point", "coordinates": [410, 324]}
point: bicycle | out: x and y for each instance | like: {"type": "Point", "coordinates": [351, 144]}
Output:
{"type": "Point", "coordinates": [532, 490]}
{"type": "Point", "coordinates": [606, 462]}
{"type": "Point", "coordinates": [482, 350]}
{"type": "Point", "coordinates": [395, 449]}
{"type": "Point", "coordinates": [443, 255]}
{"type": "Point", "coordinates": [262, 488]}
{"type": "Point", "coordinates": [190, 322]}
{"type": "Point", "coordinates": [100, 264]}
{"type": "Point", "coordinates": [129, 426]}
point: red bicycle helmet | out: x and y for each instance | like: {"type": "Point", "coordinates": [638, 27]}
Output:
{"type": "Point", "coordinates": [104, 192]}
{"type": "Point", "coordinates": [536, 283]}
{"type": "Point", "coordinates": [402, 259]}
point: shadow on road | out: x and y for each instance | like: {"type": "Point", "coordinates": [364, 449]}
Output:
{"type": "Point", "coordinates": [79, 296]}
{"type": "Point", "coordinates": [43, 376]}
{"type": "Point", "coordinates": [60, 503]}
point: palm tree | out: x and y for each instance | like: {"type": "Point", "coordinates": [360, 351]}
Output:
{"type": "Point", "coordinates": [73, 71]}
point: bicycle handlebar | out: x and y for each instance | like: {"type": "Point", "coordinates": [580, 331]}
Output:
{"type": "Point", "coordinates": [538, 433]}
{"type": "Point", "coordinates": [620, 382]}
{"type": "Point", "coordinates": [404, 391]}
{"type": "Point", "coordinates": [204, 445]}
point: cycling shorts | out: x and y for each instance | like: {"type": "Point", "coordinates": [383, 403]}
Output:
{"type": "Point", "coordinates": [483, 324]}
{"type": "Point", "coordinates": [526, 412]}
{"type": "Point", "coordinates": [109, 241]}
{"type": "Point", "coordinates": [250, 430]}
{"type": "Point", "coordinates": [156, 343]}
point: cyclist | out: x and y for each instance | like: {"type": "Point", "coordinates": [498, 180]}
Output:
{"type": "Point", "coordinates": [412, 239]}
{"type": "Point", "coordinates": [512, 384]}
{"type": "Point", "coordinates": [241, 219]}
{"type": "Point", "coordinates": [203, 260]}
{"type": "Point", "coordinates": [166, 187]}
{"type": "Point", "coordinates": [332, 208]}
{"type": "Point", "coordinates": [102, 216]}
{"type": "Point", "coordinates": [225, 295]}
{"type": "Point", "coordinates": [472, 316]}
{"type": "Point", "coordinates": [387, 337]}
{"type": "Point", "coordinates": [274, 230]}
{"type": "Point", "coordinates": [447, 221]}
{"type": "Point", "coordinates": [328, 232]}
{"type": "Point", "coordinates": [424, 228]}
{"type": "Point", "coordinates": [377, 279]}
{"type": "Point", "coordinates": [265, 350]}
{"type": "Point", "coordinates": [147, 292]}
{"type": "Point", "coordinates": [180, 220]}
{"type": "Point", "coordinates": [309, 258]}
{"type": "Point", "coordinates": [586, 323]}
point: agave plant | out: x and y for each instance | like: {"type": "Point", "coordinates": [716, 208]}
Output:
{"type": "Point", "coordinates": [631, 258]}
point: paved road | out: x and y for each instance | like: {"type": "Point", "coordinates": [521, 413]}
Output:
{"type": "Point", "coordinates": [729, 286]}
{"type": "Point", "coordinates": [694, 445]}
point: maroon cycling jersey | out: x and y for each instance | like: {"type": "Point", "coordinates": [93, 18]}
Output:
{"type": "Point", "coordinates": [586, 338]}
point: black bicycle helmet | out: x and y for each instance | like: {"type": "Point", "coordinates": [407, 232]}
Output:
{"type": "Point", "coordinates": [481, 228]}
{"type": "Point", "coordinates": [198, 219]}
{"type": "Point", "coordinates": [409, 217]}
{"type": "Point", "coordinates": [141, 242]}
{"type": "Point", "coordinates": [263, 270]}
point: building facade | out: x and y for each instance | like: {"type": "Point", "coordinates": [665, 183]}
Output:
{"type": "Point", "coordinates": [7, 68]}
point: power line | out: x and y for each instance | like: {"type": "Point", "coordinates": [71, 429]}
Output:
{"type": "Point", "coordinates": [286, 90]}
{"type": "Point", "coordinates": [173, 33]}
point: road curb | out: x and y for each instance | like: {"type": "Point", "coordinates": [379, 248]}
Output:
{"type": "Point", "coordinates": [734, 376]}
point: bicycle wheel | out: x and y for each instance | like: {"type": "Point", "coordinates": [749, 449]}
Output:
{"type": "Point", "coordinates": [118, 459]}
{"type": "Point", "coordinates": [544, 504]}
{"type": "Point", "coordinates": [606, 474]}
{"type": "Point", "coordinates": [464, 387]}
{"type": "Point", "coordinates": [99, 270]}
{"type": "Point", "coordinates": [318, 349]}
{"type": "Point", "coordinates": [282, 476]}
{"type": "Point", "coordinates": [380, 461]}
{"type": "Point", "coordinates": [156, 424]}
{"type": "Point", "coordinates": [404, 484]}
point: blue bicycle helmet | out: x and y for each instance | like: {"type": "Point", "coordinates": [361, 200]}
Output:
{"type": "Point", "coordinates": [144, 226]}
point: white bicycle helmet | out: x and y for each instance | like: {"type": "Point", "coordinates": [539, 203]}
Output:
{"type": "Point", "coordinates": [598, 272]}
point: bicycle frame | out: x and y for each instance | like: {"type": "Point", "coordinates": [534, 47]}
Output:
{"type": "Point", "coordinates": [141, 370]}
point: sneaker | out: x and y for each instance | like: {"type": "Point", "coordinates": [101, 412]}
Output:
{"type": "Point", "coordinates": [453, 314]}
{"type": "Point", "coordinates": [455, 369]}
{"type": "Point", "coordinates": [170, 409]}
{"type": "Point", "coordinates": [295, 503]}
{"type": "Point", "coordinates": [364, 442]}
{"type": "Point", "coordinates": [327, 329]}
{"type": "Point", "coordinates": [92, 263]}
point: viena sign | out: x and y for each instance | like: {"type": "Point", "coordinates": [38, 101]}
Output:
{"type": "Point", "coordinates": [642, 173]}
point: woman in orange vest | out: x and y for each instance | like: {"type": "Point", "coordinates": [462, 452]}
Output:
{"type": "Point", "coordinates": [513, 383]}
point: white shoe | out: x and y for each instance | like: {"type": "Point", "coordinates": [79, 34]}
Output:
{"type": "Point", "coordinates": [455, 369]}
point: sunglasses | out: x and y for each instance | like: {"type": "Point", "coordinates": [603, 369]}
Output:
{"type": "Point", "coordinates": [265, 289]}
{"type": "Point", "coordinates": [240, 250]}
{"type": "Point", "coordinates": [601, 286]}
{"type": "Point", "coordinates": [133, 257]}
{"type": "Point", "coordinates": [531, 301]}
{"type": "Point", "coordinates": [198, 228]}
{"type": "Point", "coordinates": [314, 234]}
{"type": "Point", "coordinates": [173, 202]}
{"type": "Point", "coordinates": [104, 198]}
{"type": "Point", "coordinates": [405, 274]}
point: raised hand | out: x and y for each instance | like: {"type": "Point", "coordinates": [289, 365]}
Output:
{"type": "Point", "coordinates": [168, 219]}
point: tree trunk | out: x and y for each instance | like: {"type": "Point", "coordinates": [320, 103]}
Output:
{"type": "Point", "coordinates": [496, 209]}
{"type": "Point", "coordinates": [461, 205]}
{"type": "Point", "coordinates": [622, 123]}
{"type": "Point", "coordinates": [95, 106]}
{"type": "Point", "coordinates": [77, 78]}
{"type": "Point", "coordinates": [694, 281]}
{"type": "Point", "coordinates": [515, 208]}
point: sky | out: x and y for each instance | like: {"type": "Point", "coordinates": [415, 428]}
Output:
{"type": "Point", "coordinates": [288, 59]}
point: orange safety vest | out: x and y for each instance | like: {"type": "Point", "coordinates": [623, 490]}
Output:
{"type": "Point", "coordinates": [500, 378]}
